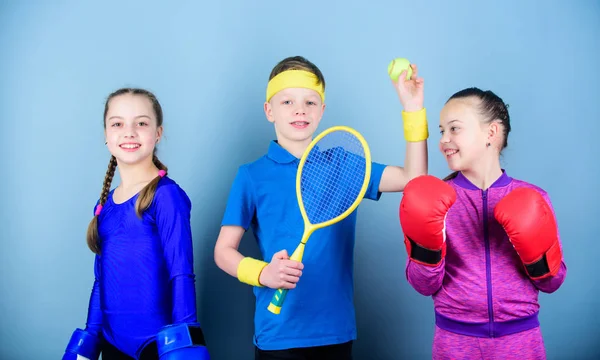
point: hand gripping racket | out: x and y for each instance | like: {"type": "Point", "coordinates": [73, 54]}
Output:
{"type": "Point", "coordinates": [332, 178]}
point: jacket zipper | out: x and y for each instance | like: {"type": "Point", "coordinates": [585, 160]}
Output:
{"type": "Point", "coordinates": [488, 266]}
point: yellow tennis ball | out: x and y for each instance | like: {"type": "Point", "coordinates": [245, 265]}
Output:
{"type": "Point", "coordinates": [398, 65]}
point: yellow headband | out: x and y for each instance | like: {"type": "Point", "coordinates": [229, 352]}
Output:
{"type": "Point", "coordinates": [294, 79]}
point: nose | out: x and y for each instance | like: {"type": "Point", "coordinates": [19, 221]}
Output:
{"type": "Point", "coordinates": [300, 110]}
{"type": "Point", "coordinates": [130, 131]}
{"type": "Point", "coordinates": [445, 138]}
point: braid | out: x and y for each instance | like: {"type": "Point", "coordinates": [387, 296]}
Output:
{"type": "Point", "coordinates": [110, 173]}
{"type": "Point", "coordinates": [92, 232]}
{"type": "Point", "coordinates": [147, 194]}
{"type": "Point", "coordinates": [158, 164]}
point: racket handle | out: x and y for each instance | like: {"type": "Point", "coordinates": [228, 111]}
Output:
{"type": "Point", "coordinates": [279, 296]}
{"type": "Point", "coordinates": [277, 301]}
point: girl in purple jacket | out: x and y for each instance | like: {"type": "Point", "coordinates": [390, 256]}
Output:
{"type": "Point", "coordinates": [481, 243]}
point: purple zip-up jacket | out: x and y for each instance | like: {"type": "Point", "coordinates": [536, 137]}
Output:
{"type": "Point", "coordinates": [481, 288]}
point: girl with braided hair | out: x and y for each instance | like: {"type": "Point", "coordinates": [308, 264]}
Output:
{"type": "Point", "coordinates": [141, 235]}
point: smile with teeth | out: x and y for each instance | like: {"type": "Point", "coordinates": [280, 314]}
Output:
{"type": "Point", "coordinates": [130, 146]}
{"type": "Point", "coordinates": [450, 152]}
{"type": "Point", "coordinates": [300, 124]}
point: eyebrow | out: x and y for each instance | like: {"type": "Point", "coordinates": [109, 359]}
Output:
{"type": "Point", "coordinates": [137, 117]}
{"type": "Point", "coordinates": [450, 122]}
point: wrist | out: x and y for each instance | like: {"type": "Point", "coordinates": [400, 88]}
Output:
{"type": "Point", "coordinates": [415, 125]}
{"type": "Point", "coordinates": [412, 107]}
{"type": "Point", "coordinates": [249, 271]}
{"type": "Point", "coordinates": [423, 255]}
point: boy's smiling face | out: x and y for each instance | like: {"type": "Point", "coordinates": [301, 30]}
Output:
{"type": "Point", "coordinates": [296, 113]}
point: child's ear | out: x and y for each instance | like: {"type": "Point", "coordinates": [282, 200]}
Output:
{"type": "Point", "coordinates": [269, 111]}
{"type": "Point", "coordinates": [494, 132]}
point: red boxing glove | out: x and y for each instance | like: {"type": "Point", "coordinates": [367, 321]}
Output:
{"type": "Point", "coordinates": [531, 228]}
{"type": "Point", "coordinates": [423, 210]}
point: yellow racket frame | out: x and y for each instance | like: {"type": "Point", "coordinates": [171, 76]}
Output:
{"type": "Point", "coordinates": [279, 296]}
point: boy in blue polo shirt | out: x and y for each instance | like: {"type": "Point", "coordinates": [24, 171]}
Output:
{"type": "Point", "coordinates": [317, 320]}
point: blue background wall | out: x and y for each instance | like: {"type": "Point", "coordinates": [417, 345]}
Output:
{"type": "Point", "coordinates": [208, 63]}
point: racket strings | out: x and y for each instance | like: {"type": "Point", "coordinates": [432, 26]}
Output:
{"type": "Point", "coordinates": [332, 176]}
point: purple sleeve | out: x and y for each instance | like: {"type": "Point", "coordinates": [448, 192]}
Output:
{"type": "Point", "coordinates": [551, 284]}
{"type": "Point", "coordinates": [173, 212]}
{"type": "Point", "coordinates": [94, 319]}
{"type": "Point", "coordinates": [427, 280]}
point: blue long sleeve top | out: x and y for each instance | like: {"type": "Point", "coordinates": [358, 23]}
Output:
{"type": "Point", "coordinates": [144, 276]}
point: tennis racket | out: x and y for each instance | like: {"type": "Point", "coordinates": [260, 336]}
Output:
{"type": "Point", "coordinates": [332, 178]}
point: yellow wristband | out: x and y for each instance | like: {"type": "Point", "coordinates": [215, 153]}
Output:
{"type": "Point", "coordinates": [249, 270]}
{"type": "Point", "coordinates": [415, 125]}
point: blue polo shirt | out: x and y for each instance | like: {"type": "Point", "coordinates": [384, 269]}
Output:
{"type": "Point", "coordinates": [320, 310]}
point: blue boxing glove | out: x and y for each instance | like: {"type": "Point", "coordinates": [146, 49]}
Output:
{"type": "Point", "coordinates": [176, 342]}
{"type": "Point", "coordinates": [181, 341]}
{"type": "Point", "coordinates": [82, 344]}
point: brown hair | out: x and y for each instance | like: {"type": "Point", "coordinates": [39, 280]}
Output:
{"type": "Point", "coordinates": [147, 193]}
{"type": "Point", "coordinates": [298, 63]}
{"type": "Point", "coordinates": [491, 107]}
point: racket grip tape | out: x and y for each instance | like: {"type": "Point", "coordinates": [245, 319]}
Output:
{"type": "Point", "coordinates": [279, 295]}
{"type": "Point", "coordinates": [277, 301]}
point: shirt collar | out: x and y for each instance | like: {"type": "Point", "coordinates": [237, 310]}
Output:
{"type": "Point", "coordinates": [279, 154]}
{"type": "Point", "coordinates": [463, 182]}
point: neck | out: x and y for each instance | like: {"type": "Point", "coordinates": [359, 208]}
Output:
{"type": "Point", "coordinates": [134, 174]}
{"type": "Point", "coordinates": [295, 148]}
{"type": "Point", "coordinates": [484, 175]}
